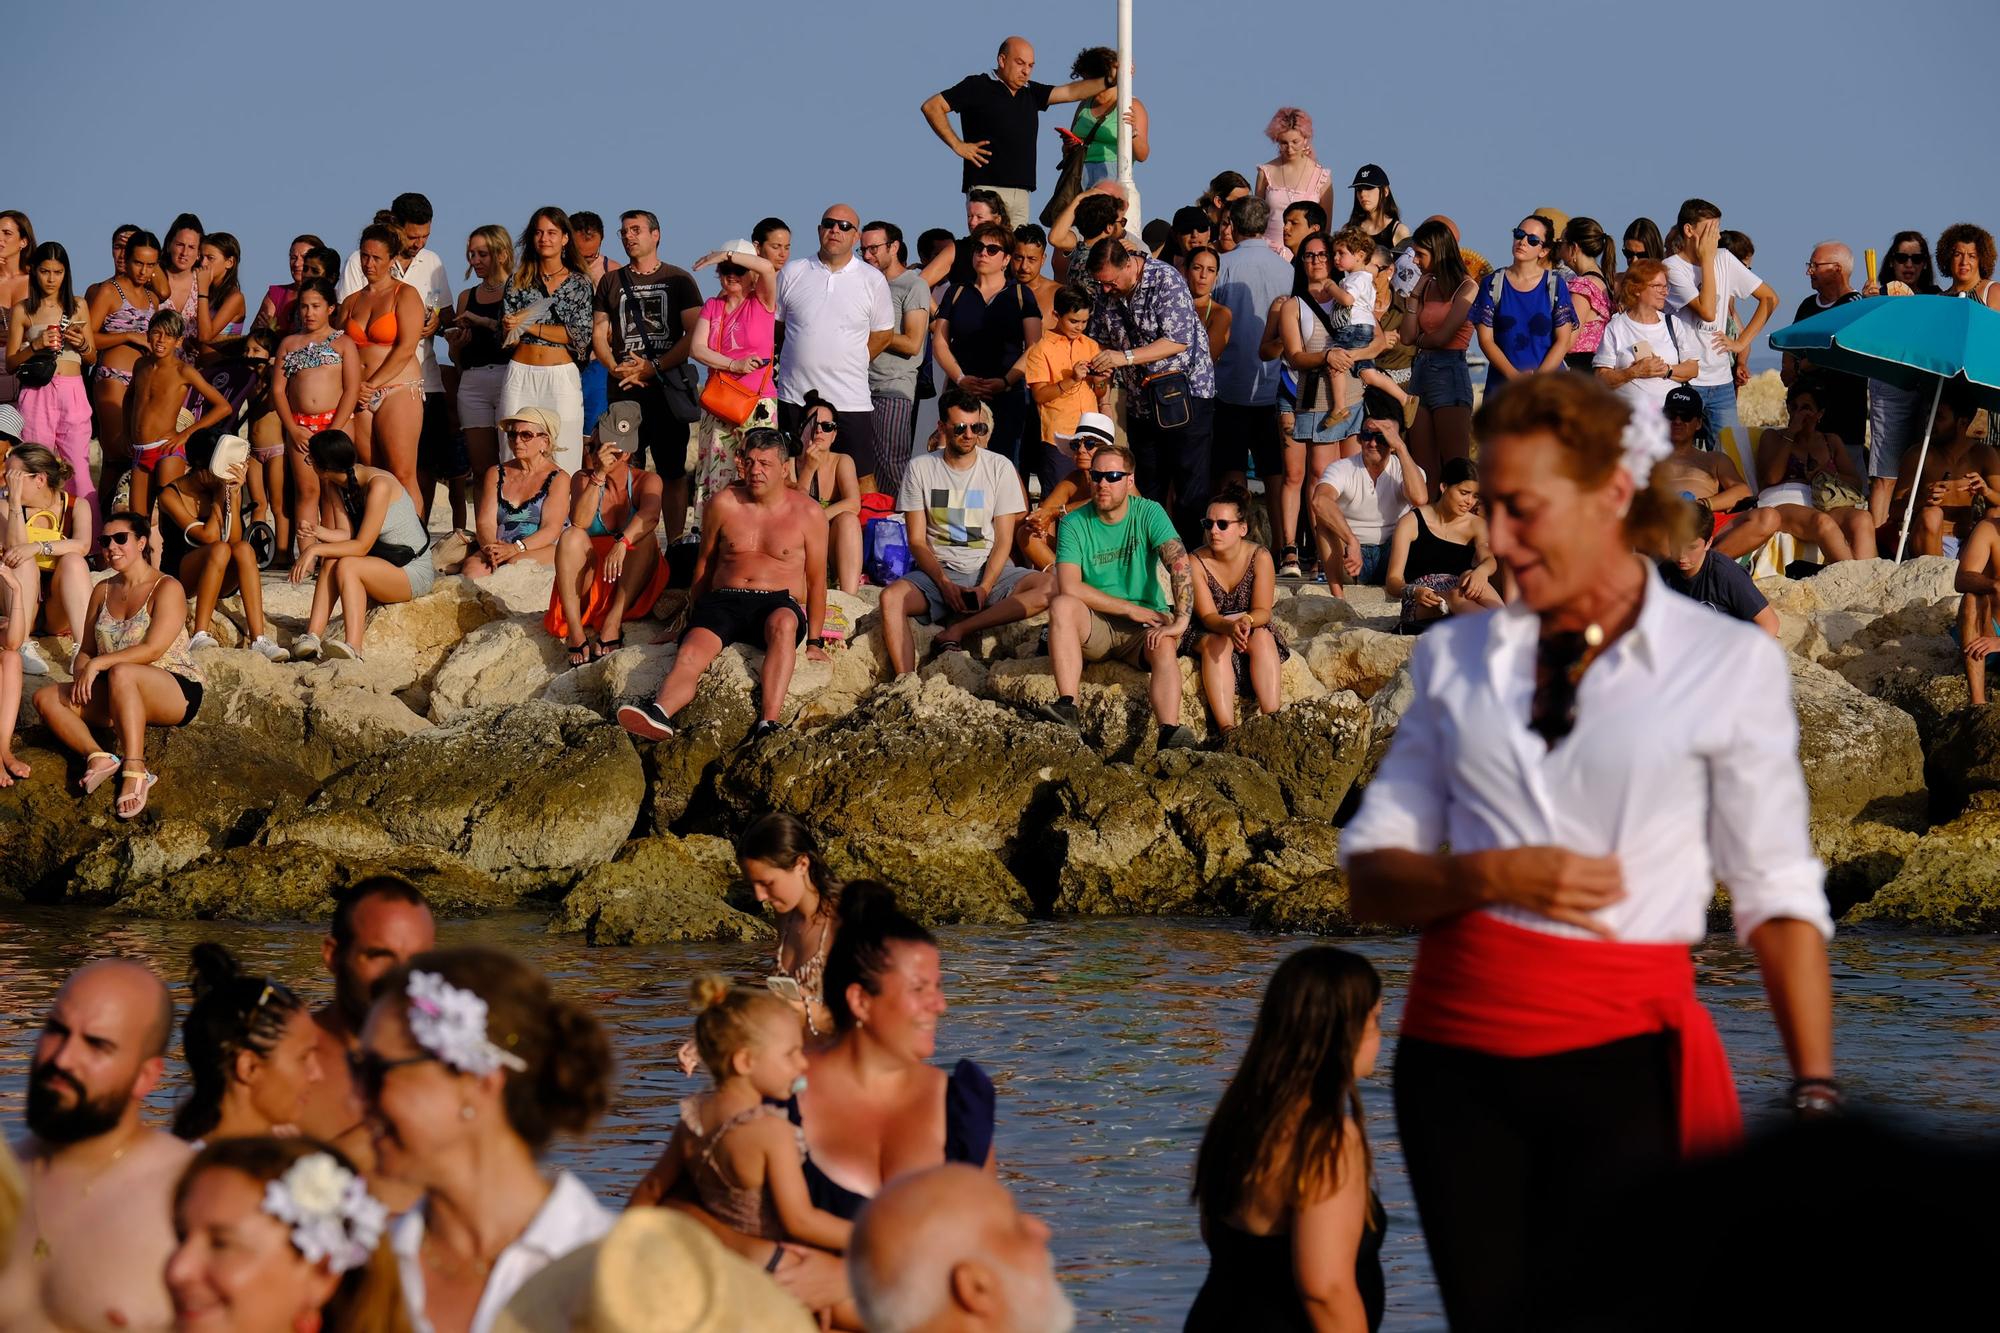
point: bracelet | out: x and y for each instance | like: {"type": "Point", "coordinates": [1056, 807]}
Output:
{"type": "Point", "coordinates": [816, 642]}
{"type": "Point", "coordinates": [1815, 1096]}
{"type": "Point", "coordinates": [777, 1257]}
{"type": "Point", "coordinates": [520, 545]}
{"type": "Point", "coordinates": [622, 541]}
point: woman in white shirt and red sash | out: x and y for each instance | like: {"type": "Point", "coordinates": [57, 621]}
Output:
{"type": "Point", "coordinates": [1596, 757]}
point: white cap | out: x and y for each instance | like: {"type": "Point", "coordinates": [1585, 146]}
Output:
{"type": "Point", "coordinates": [738, 247]}
{"type": "Point", "coordinates": [1093, 426]}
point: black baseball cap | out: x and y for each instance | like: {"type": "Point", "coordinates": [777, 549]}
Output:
{"type": "Point", "coordinates": [1684, 402]}
{"type": "Point", "coordinates": [1371, 177]}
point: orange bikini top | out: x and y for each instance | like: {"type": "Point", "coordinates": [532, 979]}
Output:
{"type": "Point", "coordinates": [378, 332]}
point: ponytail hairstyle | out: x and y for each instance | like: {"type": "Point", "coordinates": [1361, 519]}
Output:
{"type": "Point", "coordinates": [38, 460]}
{"type": "Point", "coordinates": [870, 924]}
{"type": "Point", "coordinates": [566, 1085]}
{"type": "Point", "coordinates": [1587, 421]}
{"type": "Point", "coordinates": [369, 1298]}
{"type": "Point", "coordinates": [1448, 272]}
{"type": "Point", "coordinates": [385, 235]}
{"type": "Point", "coordinates": [727, 1019]}
{"type": "Point", "coordinates": [233, 1012]}
{"type": "Point", "coordinates": [778, 839]}
{"type": "Point", "coordinates": [1236, 495]}
{"type": "Point", "coordinates": [1292, 1102]}
{"type": "Point", "coordinates": [1591, 242]}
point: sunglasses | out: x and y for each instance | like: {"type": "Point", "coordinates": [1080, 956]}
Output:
{"type": "Point", "coordinates": [120, 538]}
{"type": "Point", "coordinates": [991, 249]}
{"type": "Point", "coordinates": [1373, 437]}
{"type": "Point", "coordinates": [370, 1071]}
{"type": "Point", "coordinates": [820, 426]}
{"type": "Point", "coordinates": [1908, 257]}
{"type": "Point", "coordinates": [1105, 478]}
{"type": "Point", "coordinates": [1534, 242]}
{"type": "Point", "coordinates": [527, 435]}
{"type": "Point", "coordinates": [1634, 256]}
{"type": "Point", "coordinates": [835, 224]}
{"type": "Point", "coordinates": [1218, 524]}
{"type": "Point", "coordinates": [728, 271]}
{"type": "Point", "coordinates": [976, 429]}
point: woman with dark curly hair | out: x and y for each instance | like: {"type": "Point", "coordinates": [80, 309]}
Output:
{"type": "Point", "coordinates": [1965, 253]}
{"type": "Point", "coordinates": [1096, 120]}
{"type": "Point", "coordinates": [251, 1049]}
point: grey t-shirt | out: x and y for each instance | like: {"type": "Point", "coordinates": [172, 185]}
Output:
{"type": "Point", "coordinates": [891, 375]}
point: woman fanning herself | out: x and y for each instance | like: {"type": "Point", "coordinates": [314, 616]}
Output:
{"type": "Point", "coordinates": [1283, 1178]}
{"type": "Point", "coordinates": [548, 311]}
{"type": "Point", "coordinates": [138, 673]}
{"type": "Point", "coordinates": [1439, 562]}
{"type": "Point", "coordinates": [1232, 631]}
{"type": "Point", "coordinates": [384, 319]}
{"type": "Point", "coordinates": [278, 1236]}
{"type": "Point", "coordinates": [202, 544]}
{"type": "Point", "coordinates": [469, 1066]}
{"type": "Point", "coordinates": [252, 1051]}
{"type": "Point", "coordinates": [315, 386]}
{"type": "Point", "coordinates": [367, 545]}
{"type": "Point", "coordinates": [52, 325]}
{"type": "Point", "coordinates": [120, 315]}
{"type": "Point", "coordinates": [523, 502]}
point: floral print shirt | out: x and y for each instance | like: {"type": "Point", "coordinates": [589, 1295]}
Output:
{"type": "Point", "coordinates": [1159, 307]}
{"type": "Point", "coordinates": [573, 309]}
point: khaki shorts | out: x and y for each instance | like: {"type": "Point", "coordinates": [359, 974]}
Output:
{"type": "Point", "coordinates": [1115, 636]}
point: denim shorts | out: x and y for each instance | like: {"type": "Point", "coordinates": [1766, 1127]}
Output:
{"type": "Point", "coordinates": [1442, 379]}
{"type": "Point", "coordinates": [1326, 427]}
{"type": "Point", "coordinates": [1351, 336]}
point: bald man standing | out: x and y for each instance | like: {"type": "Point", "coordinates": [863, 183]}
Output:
{"type": "Point", "coordinates": [1000, 114]}
{"type": "Point", "coordinates": [96, 1229]}
{"type": "Point", "coordinates": [838, 316]}
{"type": "Point", "coordinates": [946, 1251]}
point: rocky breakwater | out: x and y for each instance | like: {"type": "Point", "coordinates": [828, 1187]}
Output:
{"type": "Point", "coordinates": [462, 752]}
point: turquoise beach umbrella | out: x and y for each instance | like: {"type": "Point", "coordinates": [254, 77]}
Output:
{"type": "Point", "coordinates": [1912, 342]}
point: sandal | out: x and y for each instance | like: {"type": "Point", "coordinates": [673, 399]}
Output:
{"type": "Point", "coordinates": [94, 777]}
{"type": "Point", "coordinates": [603, 648]}
{"type": "Point", "coordinates": [145, 789]}
{"type": "Point", "coordinates": [1289, 567]}
{"type": "Point", "coordinates": [943, 646]}
{"type": "Point", "coordinates": [579, 653]}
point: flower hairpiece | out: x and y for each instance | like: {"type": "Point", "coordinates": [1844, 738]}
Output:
{"type": "Point", "coordinates": [450, 1022]}
{"type": "Point", "coordinates": [334, 1219]}
{"type": "Point", "coordinates": [1645, 443]}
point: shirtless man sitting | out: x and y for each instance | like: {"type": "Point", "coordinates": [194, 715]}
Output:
{"type": "Point", "coordinates": [91, 1249]}
{"type": "Point", "coordinates": [160, 384]}
{"type": "Point", "coordinates": [1959, 482]}
{"type": "Point", "coordinates": [763, 544]}
{"type": "Point", "coordinates": [1711, 478]}
{"type": "Point", "coordinates": [378, 925]}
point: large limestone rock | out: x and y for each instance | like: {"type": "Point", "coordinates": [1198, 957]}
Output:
{"type": "Point", "coordinates": [502, 662]}
{"type": "Point", "coordinates": [321, 716]}
{"type": "Point", "coordinates": [1310, 611]}
{"type": "Point", "coordinates": [532, 796]}
{"type": "Point", "coordinates": [293, 881]}
{"type": "Point", "coordinates": [1965, 761]}
{"type": "Point", "coordinates": [939, 886]}
{"type": "Point", "coordinates": [659, 889]}
{"type": "Point", "coordinates": [406, 643]}
{"type": "Point", "coordinates": [1950, 881]}
{"type": "Point", "coordinates": [1856, 750]}
{"type": "Point", "coordinates": [1361, 660]}
{"type": "Point", "coordinates": [1862, 854]}
{"type": "Point", "coordinates": [1217, 804]}
{"type": "Point", "coordinates": [1314, 749]}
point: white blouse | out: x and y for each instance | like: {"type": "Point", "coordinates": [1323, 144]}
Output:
{"type": "Point", "coordinates": [569, 1218]}
{"type": "Point", "coordinates": [1684, 763]}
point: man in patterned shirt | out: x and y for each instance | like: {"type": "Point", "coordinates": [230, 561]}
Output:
{"type": "Point", "coordinates": [1157, 352]}
{"type": "Point", "coordinates": [960, 505]}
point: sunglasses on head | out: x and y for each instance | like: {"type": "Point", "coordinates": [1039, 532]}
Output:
{"type": "Point", "coordinates": [1534, 241]}
{"type": "Point", "coordinates": [1107, 477]}
{"type": "Point", "coordinates": [976, 429]}
{"type": "Point", "coordinates": [370, 1071]}
{"type": "Point", "coordinates": [120, 538]}
{"type": "Point", "coordinates": [835, 224]}
{"type": "Point", "coordinates": [989, 248]}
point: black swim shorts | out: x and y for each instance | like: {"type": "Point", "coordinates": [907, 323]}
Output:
{"type": "Point", "coordinates": [737, 615]}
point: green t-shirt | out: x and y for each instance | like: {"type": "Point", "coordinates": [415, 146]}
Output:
{"type": "Point", "coordinates": [1118, 558]}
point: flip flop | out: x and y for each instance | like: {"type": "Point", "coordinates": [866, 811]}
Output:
{"type": "Point", "coordinates": [95, 778]}
{"type": "Point", "coordinates": [603, 648]}
{"type": "Point", "coordinates": [579, 654]}
{"type": "Point", "coordinates": [145, 789]}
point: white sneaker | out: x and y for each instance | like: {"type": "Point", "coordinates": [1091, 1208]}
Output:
{"type": "Point", "coordinates": [340, 650]}
{"type": "Point", "coordinates": [264, 648]}
{"type": "Point", "coordinates": [305, 647]}
{"type": "Point", "coordinates": [202, 640]}
{"type": "Point", "coordinates": [32, 660]}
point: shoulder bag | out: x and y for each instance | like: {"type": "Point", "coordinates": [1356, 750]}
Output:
{"type": "Point", "coordinates": [679, 384]}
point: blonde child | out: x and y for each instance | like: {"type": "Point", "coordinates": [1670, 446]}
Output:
{"type": "Point", "coordinates": [1353, 261]}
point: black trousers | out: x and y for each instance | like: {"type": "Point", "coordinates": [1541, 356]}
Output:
{"type": "Point", "coordinates": [1514, 1161]}
{"type": "Point", "coordinates": [1173, 465]}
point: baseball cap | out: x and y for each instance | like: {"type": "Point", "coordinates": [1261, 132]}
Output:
{"type": "Point", "coordinates": [1370, 177]}
{"type": "Point", "coordinates": [1683, 402]}
{"type": "Point", "coordinates": [540, 418]}
{"type": "Point", "coordinates": [738, 246]}
{"type": "Point", "coordinates": [1093, 427]}
{"type": "Point", "coordinates": [11, 424]}
{"type": "Point", "coordinates": [619, 425]}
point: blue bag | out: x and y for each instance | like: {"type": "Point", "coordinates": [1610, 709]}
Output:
{"type": "Point", "coordinates": [885, 551]}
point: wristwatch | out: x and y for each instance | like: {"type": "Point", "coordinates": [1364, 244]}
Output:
{"type": "Point", "coordinates": [1128, 356]}
{"type": "Point", "coordinates": [520, 545]}
{"type": "Point", "coordinates": [1815, 1096]}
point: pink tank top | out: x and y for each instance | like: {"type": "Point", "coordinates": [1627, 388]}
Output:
{"type": "Point", "coordinates": [1281, 199]}
{"type": "Point", "coordinates": [1587, 290]}
{"type": "Point", "coordinates": [749, 330]}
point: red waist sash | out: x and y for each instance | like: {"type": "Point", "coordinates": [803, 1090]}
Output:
{"type": "Point", "coordinates": [1488, 986]}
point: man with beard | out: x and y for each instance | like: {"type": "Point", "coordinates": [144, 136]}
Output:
{"type": "Point", "coordinates": [945, 1250]}
{"type": "Point", "coordinates": [378, 925]}
{"type": "Point", "coordinates": [96, 1229]}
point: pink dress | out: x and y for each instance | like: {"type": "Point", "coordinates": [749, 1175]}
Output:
{"type": "Point", "coordinates": [1281, 199]}
{"type": "Point", "coordinates": [1589, 288]}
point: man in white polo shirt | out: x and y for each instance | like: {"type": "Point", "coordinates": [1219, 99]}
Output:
{"type": "Point", "coordinates": [1358, 501]}
{"type": "Point", "coordinates": [838, 316]}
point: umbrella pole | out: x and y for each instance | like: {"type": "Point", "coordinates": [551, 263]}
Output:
{"type": "Point", "coordinates": [1923, 452]}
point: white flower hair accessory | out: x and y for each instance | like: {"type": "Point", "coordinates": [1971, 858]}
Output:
{"type": "Point", "coordinates": [1646, 443]}
{"type": "Point", "coordinates": [334, 1219]}
{"type": "Point", "coordinates": [450, 1023]}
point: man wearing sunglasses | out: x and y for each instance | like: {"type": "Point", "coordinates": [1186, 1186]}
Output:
{"type": "Point", "coordinates": [1110, 603]}
{"type": "Point", "coordinates": [1358, 501]}
{"type": "Point", "coordinates": [838, 315]}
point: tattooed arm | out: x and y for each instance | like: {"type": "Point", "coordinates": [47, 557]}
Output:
{"type": "Point", "coordinates": [1180, 574]}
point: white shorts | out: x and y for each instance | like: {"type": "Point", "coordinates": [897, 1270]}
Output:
{"type": "Point", "coordinates": [557, 388]}
{"type": "Point", "coordinates": [479, 392]}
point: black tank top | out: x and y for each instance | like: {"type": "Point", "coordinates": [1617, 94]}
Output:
{"type": "Point", "coordinates": [1432, 554]}
{"type": "Point", "coordinates": [482, 348]}
{"type": "Point", "coordinates": [1251, 1284]}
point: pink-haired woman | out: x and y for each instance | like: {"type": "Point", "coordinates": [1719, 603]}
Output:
{"type": "Point", "coordinates": [1294, 176]}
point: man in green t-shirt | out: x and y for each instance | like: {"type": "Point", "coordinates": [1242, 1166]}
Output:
{"type": "Point", "coordinates": [1110, 603]}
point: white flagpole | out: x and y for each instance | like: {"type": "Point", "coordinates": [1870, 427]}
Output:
{"type": "Point", "coordinates": [1910, 507]}
{"type": "Point", "coordinates": [1137, 218]}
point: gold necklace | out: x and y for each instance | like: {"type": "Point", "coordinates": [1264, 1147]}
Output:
{"type": "Point", "coordinates": [42, 1251]}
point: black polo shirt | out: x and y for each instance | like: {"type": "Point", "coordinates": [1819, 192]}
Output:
{"type": "Point", "coordinates": [1007, 122]}
{"type": "Point", "coordinates": [1843, 398]}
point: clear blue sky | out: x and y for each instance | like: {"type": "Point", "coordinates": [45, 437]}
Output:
{"type": "Point", "coordinates": [1802, 121]}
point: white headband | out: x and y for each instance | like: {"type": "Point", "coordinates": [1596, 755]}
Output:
{"type": "Point", "coordinates": [334, 1219]}
{"type": "Point", "coordinates": [450, 1023]}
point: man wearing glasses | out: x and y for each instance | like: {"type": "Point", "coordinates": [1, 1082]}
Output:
{"type": "Point", "coordinates": [1843, 398]}
{"type": "Point", "coordinates": [1358, 501]}
{"type": "Point", "coordinates": [838, 315]}
{"type": "Point", "coordinates": [960, 505]}
{"type": "Point", "coordinates": [1110, 603]}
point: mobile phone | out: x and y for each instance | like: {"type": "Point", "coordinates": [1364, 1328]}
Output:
{"type": "Point", "coordinates": [785, 989]}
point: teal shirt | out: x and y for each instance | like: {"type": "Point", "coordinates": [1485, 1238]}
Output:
{"type": "Point", "coordinates": [1100, 139]}
{"type": "Point", "coordinates": [1119, 559]}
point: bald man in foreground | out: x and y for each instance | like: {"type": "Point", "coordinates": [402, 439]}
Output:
{"type": "Point", "coordinates": [94, 1235]}
{"type": "Point", "coordinates": [946, 1251]}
